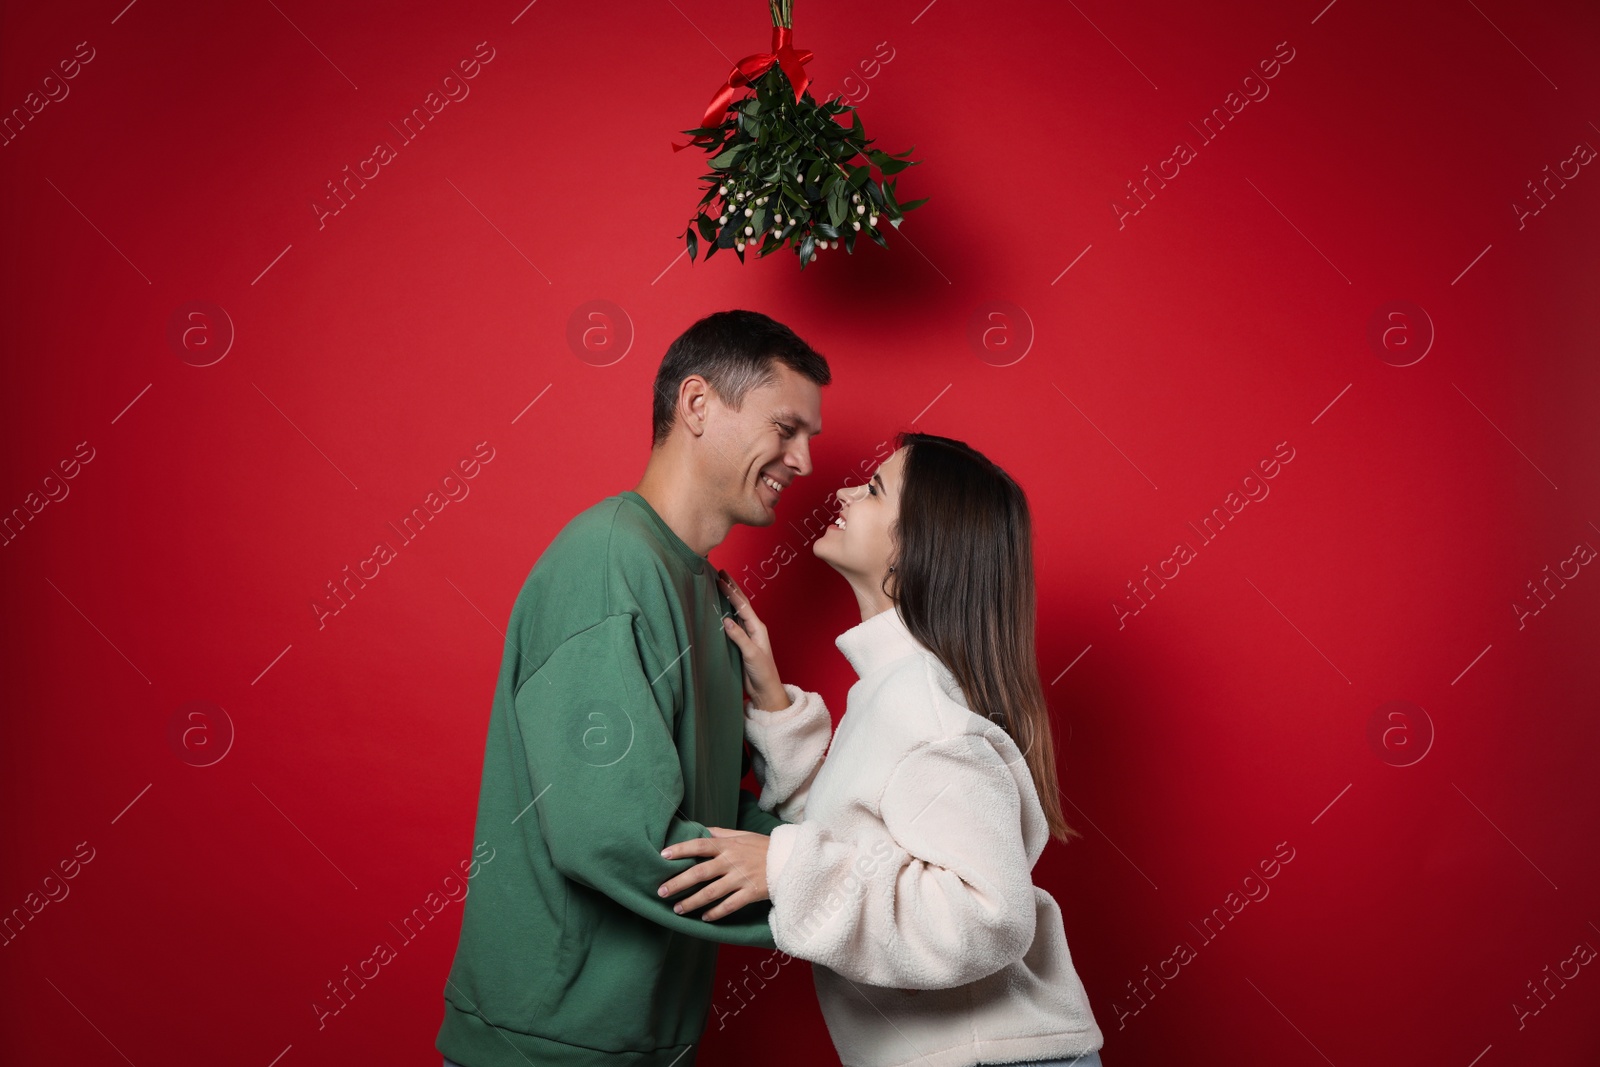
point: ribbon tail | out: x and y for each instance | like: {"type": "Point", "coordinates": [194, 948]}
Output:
{"type": "Point", "coordinates": [791, 62]}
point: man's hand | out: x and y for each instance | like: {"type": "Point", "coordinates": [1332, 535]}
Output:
{"type": "Point", "coordinates": [737, 859]}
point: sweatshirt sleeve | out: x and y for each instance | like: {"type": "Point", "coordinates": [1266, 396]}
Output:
{"type": "Point", "coordinates": [607, 781]}
{"type": "Point", "coordinates": [788, 749]}
{"type": "Point", "coordinates": [753, 817]}
{"type": "Point", "coordinates": [942, 898]}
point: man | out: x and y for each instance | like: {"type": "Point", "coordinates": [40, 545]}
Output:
{"type": "Point", "coordinates": [617, 729]}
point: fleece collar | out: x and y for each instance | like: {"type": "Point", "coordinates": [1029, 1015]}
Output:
{"type": "Point", "coordinates": [879, 641]}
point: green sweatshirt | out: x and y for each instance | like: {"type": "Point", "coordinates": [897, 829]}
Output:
{"type": "Point", "coordinates": [617, 728]}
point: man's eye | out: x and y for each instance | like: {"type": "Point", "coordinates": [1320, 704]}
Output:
{"type": "Point", "coordinates": [788, 431]}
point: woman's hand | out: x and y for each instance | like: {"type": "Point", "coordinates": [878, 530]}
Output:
{"type": "Point", "coordinates": [750, 634]}
{"type": "Point", "coordinates": [737, 859]}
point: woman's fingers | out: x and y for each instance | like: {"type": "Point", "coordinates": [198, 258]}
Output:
{"type": "Point", "coordinates": [693, 846]}
{"type": "Point", "coordinates": [731, 627]}
{"type": "Point", "coordinates": [730, 904]}
{"type": "Point", "coordinates": [728, 580]}
{"type": "Point", "coordinates": [710, 867]}
{"type": "Point", "coordinates": [741, 603]}
{"type": "Point", "coordinates": [730, 883]}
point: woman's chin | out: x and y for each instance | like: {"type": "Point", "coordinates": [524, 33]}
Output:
{"type": "Point", "coordinates": [825, 552]}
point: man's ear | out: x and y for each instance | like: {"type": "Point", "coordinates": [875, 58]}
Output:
{"type": "Point", "coordinates": [694, 402]}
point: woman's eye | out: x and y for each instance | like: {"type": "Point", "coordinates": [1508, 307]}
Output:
{"type": "Point", "coordinates": [872, 489]}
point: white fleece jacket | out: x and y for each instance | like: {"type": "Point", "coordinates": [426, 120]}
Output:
{"type": "Point", "coordinates": [905, 871]}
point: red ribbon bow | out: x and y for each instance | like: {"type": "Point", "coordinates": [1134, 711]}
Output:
{"type": "Point", "coordinates": [747, 70]}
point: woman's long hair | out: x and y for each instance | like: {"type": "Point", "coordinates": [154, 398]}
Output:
{"type": "Point", "coordinates": [963, 582]}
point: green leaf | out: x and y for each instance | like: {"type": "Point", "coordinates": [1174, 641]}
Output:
{"type": "Point", "coordinates": [859, 176]}
{"type": "Point", "coordinates": [914, 203]}
{"type": "Point", "coordinates": [837, 209]}
{"type": "Point", "coordinates": [694, 244]}
{"type": "Point", "coordinates": [895, 166]}
{"type": "Point", "coordinates": [708, 227]}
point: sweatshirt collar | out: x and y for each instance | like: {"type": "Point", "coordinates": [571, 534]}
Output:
{"type": "Point", "coordinates": [692, 559]}
{"type": "Point", "coordinates": [878, 641]}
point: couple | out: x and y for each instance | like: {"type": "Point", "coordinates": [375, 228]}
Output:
{"type": "Point", "coordinates": [899, 863]}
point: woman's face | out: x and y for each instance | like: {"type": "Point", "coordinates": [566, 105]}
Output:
{"type": "Point", "coordinates": [860, 542]}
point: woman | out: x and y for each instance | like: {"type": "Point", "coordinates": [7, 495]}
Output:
{"type": "Point", "coordinates": [904, 869]}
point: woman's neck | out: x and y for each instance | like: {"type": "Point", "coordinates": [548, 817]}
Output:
{"type": "Point", "coordinates": [870, 597]}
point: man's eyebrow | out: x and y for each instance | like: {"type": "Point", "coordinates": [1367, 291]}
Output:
{"type": "Point", "coordinates": [786, 415]}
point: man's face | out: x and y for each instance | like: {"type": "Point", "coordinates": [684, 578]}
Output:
{"type": "Point", "coordinates": [768, 438]}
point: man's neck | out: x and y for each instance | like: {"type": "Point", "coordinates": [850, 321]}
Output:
{"type": "Point", "coordinates": [669, 488]}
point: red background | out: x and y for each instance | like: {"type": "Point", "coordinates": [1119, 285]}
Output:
{"type": "Point", "coordinates": [1229, 315]}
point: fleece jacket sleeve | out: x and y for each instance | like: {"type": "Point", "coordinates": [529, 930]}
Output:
{"type": "Point", "coordinates": [788, 748]}
{"type": "Point", "coordinates": [937, 894]}
{"type": "Point", "coordinates": [608, 782]}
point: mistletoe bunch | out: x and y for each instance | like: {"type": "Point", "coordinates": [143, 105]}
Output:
{"type": "Point", "coordinates": [785, 172]}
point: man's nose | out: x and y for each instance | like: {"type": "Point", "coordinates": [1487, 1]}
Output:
{"type": "Point", "coordinates": [804, 455]}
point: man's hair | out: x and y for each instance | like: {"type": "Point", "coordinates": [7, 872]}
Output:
{"type": "Point", "coordinates": [734, 352]}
